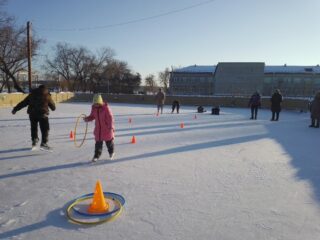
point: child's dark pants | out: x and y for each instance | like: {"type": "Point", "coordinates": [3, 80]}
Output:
{"type": "Point", "coordinates": [98, 148]}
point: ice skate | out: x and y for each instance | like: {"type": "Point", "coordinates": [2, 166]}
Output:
{"type": "Point", "coordinates": [33, 148]}
{"type": "Point", "coordinates": [34, 144]}
{"type": "Point", "coordinates": [111, 156]}
{"type": "Point", "coordinates": [94, 160]}
{"type": "Point", "coordinates": [45, 147]}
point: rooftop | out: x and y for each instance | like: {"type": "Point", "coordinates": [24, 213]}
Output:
{"type": "Point", "coordinates": [267, 69]}
{"type": "Point", "coordinates": [197, 68]}
{"type": "Point", "coordinates": [292, 69]}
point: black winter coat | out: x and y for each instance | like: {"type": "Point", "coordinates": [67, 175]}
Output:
{"type": "Point", "coordinates": [276, 100]}
{"type": "Point", "coordinates": [315, 107]}
{"type": "Point", "coordinates": [38, 103]}
{"type": "Point", "coordinates": [255, 100]}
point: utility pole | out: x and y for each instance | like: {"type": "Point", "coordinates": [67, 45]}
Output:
{"type": "Point", "coordinates": [29, 54]}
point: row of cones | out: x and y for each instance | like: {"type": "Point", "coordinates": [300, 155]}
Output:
{"type": "Point", "coordinates": [133, 140]}
{"type": "Point", "coordinates": [130, 119]}
{"type": "Point", "coordinates": [195, 116]}
{"type": "Point", "coordinates": [181, 125]}
{"type": "Point", "coordinates": [71, 136]}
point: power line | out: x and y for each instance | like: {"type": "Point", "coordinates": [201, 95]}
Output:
{"type": "Point", "coordinates": [129, 22]}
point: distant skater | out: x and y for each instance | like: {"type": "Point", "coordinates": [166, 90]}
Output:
{"type": "Point", "coordinates": [175, 105]}
{"type": "Point", "coordinates": [315, 111]}
{"type": "Point", "coordinates": [276, 100]}
{"type": "Point", "coordinates": [38, 101]}
{"type": "Point", "coordinates": [160, 99]}
{"type": "Point", "coordinates": [104, 126]}
{"type": "Point", "coordinates": [254, 104]}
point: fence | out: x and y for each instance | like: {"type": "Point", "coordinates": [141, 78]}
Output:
{"type": "Point", "coordinates": [7, 100]}
{"type": "Point", "coordinates": [10, 100]}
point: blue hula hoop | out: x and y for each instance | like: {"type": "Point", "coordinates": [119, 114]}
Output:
{"type": "Point", "coordinates": [109, 195]}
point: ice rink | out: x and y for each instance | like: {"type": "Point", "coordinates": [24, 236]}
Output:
{"type": "Point", "coordinates": [220, 177]}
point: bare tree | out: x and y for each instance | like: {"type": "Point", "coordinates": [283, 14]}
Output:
{"type": "Point", "coordinates": [117, 77]}
{"type": "Point", "coordinates": [164, 78]}
{"type": "Point", "coordinates": [4, 18]}
{"type": "Point", "coordinates": [114, 74]}
{"type": "Point", "coordinates": [78, 66]}
{"type": "Point", "coordinates": [95, 67]}
{"type": "Point", "coordinates": [61, 63]}
{"type": "Point", "coordinates": [150, 83]}
{"type": "Point", "coordinates": [13, 52]}
{"type": "Point", "coordinates": [86, 71]}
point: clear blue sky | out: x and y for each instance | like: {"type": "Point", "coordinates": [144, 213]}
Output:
{"type": "Point", "coordinates": [272, 31]}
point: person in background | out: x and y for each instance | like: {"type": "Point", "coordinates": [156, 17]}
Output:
{"type": "Point", "coordinates": [315, 111]}
{"type": "Point", "coordinates": [104, 126]}
{"type": "Point", "coordinates": [215, 110]}
{"type": "Point", "coordinates": [276, 100]}
{"type": "Point", "coordinates": [175, 105]}
{"type": "Point", "coordinates": [160, 99]}
{"type": "Point", "coordinates": [201, 109]}
{"type": "Point", "coordinates": [254, 104]}
{"type": "Point", "coordinates": [38, 101]}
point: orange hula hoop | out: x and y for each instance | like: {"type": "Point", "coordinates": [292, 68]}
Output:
{"type": "Point", "coordinates": [75, 132]}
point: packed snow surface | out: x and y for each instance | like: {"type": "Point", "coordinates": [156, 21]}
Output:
{"type": "Point", "coordinates": [220, 177]}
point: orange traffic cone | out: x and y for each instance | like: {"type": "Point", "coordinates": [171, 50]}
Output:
{"type": "Point", "coordinates": [99, 204]}
{"type": "Point", "coordinates": [71, 135]}
{"type": "Point", "coordinates": [133, 140]}
{"type": "Point", "coordinates": [181, 125]}
{"type": "Point", "coordinates": [130, 120]}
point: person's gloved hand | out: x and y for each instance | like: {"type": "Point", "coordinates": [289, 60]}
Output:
{"type": "Point", "coordinates": [13, 111]}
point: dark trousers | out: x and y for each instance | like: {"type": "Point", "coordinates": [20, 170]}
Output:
{"type": "Point", "coordinates": [160, 108]}
{"type": "Point", "coordinates": [254, 112]}
{"type": "Point", "coordinates": [314, 122]}
{"type": "Point", "coordinates": [44, 128]}
{"type": "Point", "coordinates": [275, 116]}
{"type": "Point", "coordinates": [174, 107]}
{"type": "Point", "coordinates": [98, 148]}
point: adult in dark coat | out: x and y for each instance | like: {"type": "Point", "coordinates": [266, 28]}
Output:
{"type": "Point", "coordinates": [254, 104]}
{"type": "Point", "coordinates": [315, 111]}
{"type": "Point", "coordinates": [160, 99]}
{"type": "Point", "coordinates": [38, 101]}
{"type": "Point", "coordinates": [276, 100]}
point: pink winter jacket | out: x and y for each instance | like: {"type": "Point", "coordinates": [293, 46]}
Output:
{"type": "Point", "coordinates": [104, 124]}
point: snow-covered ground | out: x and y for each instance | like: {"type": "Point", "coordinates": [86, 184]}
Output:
{"type": "Point", "coordinates": [221, 177]}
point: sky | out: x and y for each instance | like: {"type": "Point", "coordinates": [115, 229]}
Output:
{"type": "Point", "coordinates": [276, 32]}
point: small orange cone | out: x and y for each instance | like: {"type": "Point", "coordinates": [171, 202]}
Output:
{"type": "Point", "coordinates": [195, 116]}
{"type": "Point", "coordinates": [133, 140]}
{"type": "Point", "coordinates": [99, 204]}
{"type": "Point", "coordinates": [71, 135]}
{"type": "Point", "coordinates": [181, 125]}
{"type": "Point", "coordinates": [130, 120]}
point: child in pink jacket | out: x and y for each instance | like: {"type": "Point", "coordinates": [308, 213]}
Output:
{"type": "Point", "coordinates": [104, 126]}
